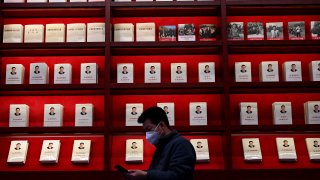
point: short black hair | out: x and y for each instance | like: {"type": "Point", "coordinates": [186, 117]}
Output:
{"type": "Point", "coordinates": [155, 115]}
{"type": "Point", "coordinates": [250, 141]}
{"type": "Point", "coordinates": [36, 66]}
{"type": "Point", "coordinates": [248, 106]}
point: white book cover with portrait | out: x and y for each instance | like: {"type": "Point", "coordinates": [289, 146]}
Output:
{"type": "Point", "coordinates": [243, 72]}
{"type": "Point", "coordinates": [37, 1]}
{"type": "Point", "coordinates": [169, 110]}
{"type": "Point", "coordinates": [134, 151]}
{"type": "Point", "coordinates": [282, 113]}
{"type": "Point", "coordinates": [269, 71]}
{"type": "Point", "coordinates": [81, 151]}
{"type": "Point", "coordinates": [133, 111]}
{"type": "Point", "coordinates": [312, 112]}
{"type": "Point", "coordinates": [76, 32]}
{"type": "Point", "coordinates": [152, 72]}
{"type": "Point", "coordinates": [18, 152]}
{"type": "Point", "coordinates": [202, 149]}
{"type": "Point", "coordinates": [248, 113]}
{"type": "Point", "coordinates": [53, 115]}
{"type": "Point", "coordinates": [274, 30]}
{"type": "Point", "coordinates": [198, 113]}
{"type": "Point", "coordinates": [50, 151]}
{"type": "Point", "coordinates": [15, 74]}
{"type": "Point", "coordinates": [96, 32]}
{"type": "Point", "coordinates": [13, 1]}
{"type": "Point", "coordinates": [125, 73]}
{"type": "Point", "coordinates": [89, 73]}
{"type": "Point", "coordinates": [19, 115]}
{"type": "Point", "coordinates": [39, 73]}
{"type": "Point", "coordinates": [13, 33]}
{"type": "Point", "coordinates": [34, 33]}
{"type": "Point", "coordinates": [84, 115]}
{"type": "Point", "coordinates": [314, 69]}
{"type": "Point", "coordinates": [286, 149]}
{"type": "Point", "coordinates": [178, 72]}
{"type": "Point", "coordinates": [292, 71]}
{"type": "Point", "coordinates": [62, 74]}
{"type": "Point", "coordinates": [124, 32]}
{"type": "Point", "coordinates": [313, 147]}
{"type": "Point", "coordinates": [55, 33]}
{"type": "Point", "coordinates": [145, 32]}
{"type": "Point", "coordinates": [251, 149]}
{"type": "Point", "coordinates": [206, 72]}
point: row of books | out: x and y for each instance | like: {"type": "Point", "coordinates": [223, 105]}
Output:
{"type": "Point", "coordinates": [53, 115]}
{"type": "Point", "coordinates": [34, 33]}
{"type": "Point", "coordinates": [49, 152]}
{"type": "Point", "coordinates": [50, 1]}
{"type": "Point", "coordinates": [156, 0]}
{"type": "Point", "coordinates": [39, 73]}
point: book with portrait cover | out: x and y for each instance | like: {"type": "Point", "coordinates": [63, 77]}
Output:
{"type": "Point", "coordinates": [53, 115]}
{"type": "Point", "coordinates": [133, 111]}
{"type": "Point", "coordinates": [274, 30]}
{"type": "Point", "coordinates": [37, 1]}
{"type": "Point", "coordinates": [55, 33]}
{"type": "Point", "coordinates": [296, 30]}
{"type": "Point", "coordinates": [152, 72]}
{"type": "Point", "coordinates": [313, 148]}
{"type": "Point", "coordinates": [198, 113]}
{"type": "Point", "coordinates": [18, 152]}
{"type": "Point", "coordinates": [39, 73]}
{"type": "Point", "coordinates": [255, 31]}
{"type": "Point", "coordinates": [12, 33]}
{"type": "Point", "coordinates": [62, 74]}
{"type": "Point", "coordinates": [314, 69]}
{"type": "Point", "coordinates": [19, 115]}
{"type": "Point", "coordinates": [315, 30]}
{"type": "Point", "coordinates": [89, 73]}
{"type": "Point", "coordinates": [208, 32]}
{"type": "Point", "coordinates": [124, 32]}
{"type": "Point", "coordinates": [125, 73]}
{"type": "Point", "coordinates": [96, 32]}
{"type": "Point", "coordinates": [251, 149]}
{"type": "Point", "coordinates": [178, 72]}
{"type": "Point", "coordinates": [269, 71]}
{"type": "Point", "coordinates": [145, 32]}
{"type": "Point", "coordinates": [235, 31]}
{"type": "Point", "coordinates": [286, 149]}
{"type": "Point", "coordinates": [243, 72]}
{"type": "Point", "coordinates": [312, 112]}
{"type": "Point", "coordinates": [292, 71]}
{"type": "Point", "coordinates": [282, 113]}
{"type": "Point", "coordinates": [15, 74]}
{"type": "Point", "coordinates": [134, 151]}
{"type": "Point", "coordinates": [202, 149]}
{"type": "Point", "coordinates": [169, 110]}
{"type": "Point", "coordinates": [76, 32]}
{"type": "Point", "coordinates": [13, 1]}
{"type": "Point", "coordinates": [168, 33]}
{"type": "Point", "coordinates": [34, 33]}
{"type": "Point", "coordinates": [206, 72]}
{"type": "Point", "coordinates": [50, 151]}
{"type": "Point", "coordinates": [248, 113]}
{"type": "Point", "coordinates": [84, 115]}
{"type": "Point", "coordinates": [186, 32]}
{"type": "Point", "coordinates": [81, 151]}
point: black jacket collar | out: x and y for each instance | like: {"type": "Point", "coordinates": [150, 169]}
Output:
{"type": "Point", "coordinates": [163, 141]}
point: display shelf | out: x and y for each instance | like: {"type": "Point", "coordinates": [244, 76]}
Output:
{"type": "Point", "coordinates": [36, 130]}
{"type": "Point", "coordinates": [165, 4]}
{"type": "Point", "coordinates": [271, 2]}
{"type": "Point", "coordinates": [67, 5]}
{"type": "Point", "coordinates": [271, 49]}
{"type": "Point", "coordinates": [275, 174]}
{"type": "Point", "coordinates": [275, 43]}
{"type": "Point", "coordinates": [49, 46]}
{"type": "Point", "coordinates": [165, 44]}
{"type": "Point", "coordinates": [63, 91]}
{"type": "Point", "coordinates": [45, 87]}
{"type": "Point", "coordinates": [271, 129]}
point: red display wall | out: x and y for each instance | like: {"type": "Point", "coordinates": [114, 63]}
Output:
{"type": "Point", "coordinates": [191, 60]}
{"type": "Point", "coordinates": [265, 114]}
{"type": "Point", "coordinates": [75, 61]}
{"type": "Point", "coordinates": [36, 108]}
{"type": "Point", "coordinates": [34, 151]}
{"type": "Point", "coordinates": [270, 154]}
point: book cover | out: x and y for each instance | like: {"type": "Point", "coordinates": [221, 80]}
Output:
{"type": "Point", "coordinates": [274, 30]}
{"type": "Point", "coordinates": [168, 33]}
{"type": "Point", "coordinates": [286, 149]}
{"type": "Point", "coordinates": [235, 31]}
{"type": "Point", "coordinates": [133, 111]}
{"type": "Point", "coordinates": [251, 149]}
{"type": "Point", "coordinates": [208, 32]}
{"type": "Point", "coordinates": [292, 71]}
{"type": "Point", "coordinates": [243, 72]}
{"type": "Point", "coordinates": [50, 151]}
{"type": "Point", "coordinates": [202, 149]}
{"type": "Point", "coordinates": [152, 72]}
{"type": "Point", "coordinates": [145, 32]}
{"type": "Point", "coordinates": [12, 33]}
{"type": "Point", "coordinates": [39, 73]}
{"type": "Point", "coordinates": [315, 30]}
{"type": "Point", "coordinates": [15, 74]}
{"type": "Point", "coordinates": [96, 32]}
{"type": "Point", "coordinates": [296, 30]}
{"type": "Point", "coordinates": [255, 31]}
{"type": "Point", "coordinates": [84, 115]}
{"type": "Point", "coordinates": [312, 112]}
{"type": "Point", "coordinates": [169, 110]}
{"type": "Point", "coordinates": [314, 69]}
{"type": "Point", "coordinates": [34, 33]}
{"type": "Point", "coordinates": [18, 152]}
{"type": "Point", "coordinates": [178, 72]}
{"type": "Point", "coordinates": [53, 115]}
{"type": "Point", "coordinates": [55, 33]}
{"type": "Point", "coordinates": [282, 113]}
{"type": "Point", "coordinates": [206, 72]}
{"type": "Point", "coordinates": [248, 113]}
{"type": "Point", "coordinates": [62, 74]}
{"type": "Point", "coordinates": [123, 32]}
{"type": "Point", "coordinates": [81, 151]}
{"type": "Point", "coordinates": [186, 32]}
{"type": "Point", "coordinates": [313, 148]}
{"type": "Point", "coordinates": [125, 73]}
{"type": "Point", "coordinates": [134, 151]}
{"type": "Point", "coordinates": [269, 71]}
{"type": "Point", "coordinates": [19, 115]}
{"type": "Point", "coordinates": [76, 32]}
{"type": "Point", "coordinates": [198, 113]}
{"type": "Point", "coordinates": [89, 73]}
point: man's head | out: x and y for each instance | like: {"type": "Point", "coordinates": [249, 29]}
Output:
{"type": "Point", "coordinates": [36, 68]}
{"type": "Point", "coordinates": [50, 145]}
{"type": "Point", "coordinates": [52, 109]}
{"type": "Point", "coordinates": [316, 107]}
{"type": "Point", "coordinates": [134, 144]}
{"type": "Point", "coordinates": [17, 110]}
{"type": "Point", "coordinates": [274, 27]}
{"type": "Point", "coordinates": [178, 68]}
{"type": "Point", "coordinates": [316, 143]}
{"type": "Point", "coordinates": [152, 68]}
{"type": "Point", "coordinates": [285, 142]}
{"type": "Point", "coordinates": [270, 66]}
{"type": "Point", "coordinates": [206, 67]}
{"type": "Point", "coordinates": [18, 145]}
{"type": "Point", "coordinates": [88, 68]}
{"type": "Point", "coordinates": [124, 68]}
{"type": "Point", "coordinates": [13, 69]}
{"type": "Point", "coordinates": [154, 117]}
{"type": "Point", "coordinates": [198, 108]}
{"type": "Point", "coordinates": [293, 66]}
{"type": "Point", "coordinates": [243, 67]}
{"type": "Point", "coordinates": [249, 108]}
{"type": "Point", "coordinates": [61, 68]}
{"type": "Point", "coordinates": [83, 109]}
{"type": "Point", "coordinates": [81, 145]}
{"type": "Point", "coordinates": [283, 107]}
{"type": "Point", "coordinates": [134, 109]}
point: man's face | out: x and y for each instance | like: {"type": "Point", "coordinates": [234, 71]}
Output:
{"type": "Point", "coordinates": [17, 111]}
{"type": "Point", "coordinates": [13, 69]}
{"type": "Point", "coordinates": [285, 143]}
{"type": "Point", "coordinates": [134, 109]}
{"type": "Point", "coordinates": [81, 145]}
{"type": "Point", "coordinates": [270, 67]}
{"type": "Point", "coordinates": [293, 66]}
{"type": "Point", "coordinates": [178, 68]}
{"type": "Point", "coordinates": [283, 108]}
{"type": "Point", "coordinates": [250, 143]}
{"type": "Point", "coordinates": [316, 143]}
{"type": "Point", "coordinates": [165, 109]}
{"type": "Point", "coordinates": [124, 69]}
{"type": "Point", "coordinates": [199, 144]}
{"type": "Point", "coordinates": [249, 108]}
{"type": "Point", "coordinates": [88, 68]}
{"type": "Point", "coordinates": [18, 146]}
{"type": "Point", "coordinates": [52, 110]}
{"type": "Point", "coordinates": [50, 145]}
{"type": "Point", "coordinates": [207, 68]}
{"type": "Point", "coordinates": [198, 108]}
{"type": "Point", "coordinates": [83, 109]}
{"type": "Point", "coordinates": [274, 28]}
{"type": "Point", "coordinates": [152, 69]}
{"type": "Point", "coordinates": [61, 69]}
{"type": "Point", "coordinates": [37, 68]}
{"type": "Point", "coordinates": [148, 126]}
{"type": "Point", "coordinates": [243, 67]}
{"type": "Point", "coordinates": [316, 107]}
{"type": "Point", "coordinates": [134, 144]}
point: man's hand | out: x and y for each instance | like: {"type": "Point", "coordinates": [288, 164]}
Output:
{"type": "Point", "coordinates": [136, 175]}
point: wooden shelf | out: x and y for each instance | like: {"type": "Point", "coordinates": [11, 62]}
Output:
{"type": "Point", "coordinates": [271, 2]}
{"type": "Point", "coordinates": [39, 87]}
{"type": "Point", "coordinates": [135, 4]}
{"type": "Point", "coordinates": [67, 5]}
{"type": "Point", "coordinates": [35, 130]}
{"type": "Point", "coordinates": [275, 129]}
{"type": "Point", "coordinates": [167, 44]}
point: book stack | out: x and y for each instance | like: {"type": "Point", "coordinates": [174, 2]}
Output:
{"type": "Point", "coordinates": [15, 74]}
{"type": "Point", "coordinates": [81, 151]}
{"type": "Point", "coordinates": [18, 152]}
{"type": "Point", "coordinates": [19, 115]}
{"type": "Point", "coordinates": [50, 151]}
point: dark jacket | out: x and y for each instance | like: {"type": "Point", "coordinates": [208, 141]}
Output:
{"type": "Point", "coordinates": [174, 158]}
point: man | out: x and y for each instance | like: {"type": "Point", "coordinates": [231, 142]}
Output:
{"type": "Point", "coordinates": [152, 70]}
{"type": "Point", "coordinates": [61, 70]}
{"type": "Point", "coordinates": [316, 108]}
{"type": "Point", "coordinates": [316, 144]}
{"type": "Point", "coordinates": [83, 111]}
{"type": "Point", "coordinates": [17, 113]}
{"type": "Point", "coordinates": [283, 109]}
{"type": "Point", "coordinates": [18, 146]}
{"type": "Point", "coordinates": [274, 32]}
{"type": "Point", "coordinates": [166, 109]}
{"type": "Point", "coordinates": [13, 71]}
{"type": "Point", "coordinates": [243, 69]}
{"type": "Point", "coordinates": [270, 68]}
{"type": "Point", "coordinates": [134, 145]}
{"type": "Point", "coordinates": [249, 111]}
{"type": "Point", "coordinates": [134, 111]}
{"type": "Point", "coordinates": [174, 157]}
{"type": "Point", "coordinates": [198, 110]}
{"type": "Point", "coordinates": [251, 144]}
{"type": "Point", "coordinates": [179, 71]}
{"type": "Point", "coordinates": [81, 145]}
{"type": "Point", "coordinates": [293, 68]}
{"type": "Point", "coordinates": [50, 146]}
{"type": "Point", "coordinates": [124, 70]}
{"type": "Point", "coordinates": [199, 145]}
{"type": "Point", "coordinates": [298, 31]}
{"type": "Point", "coordinates": [51, 113]}
{"type": "Point", "coordinates": [36, 70]}
{"type": "Point", "coordinates": [285, 143]}
{"type": "Point", "coordinates": [206, 69]}
{"type": "Point", "coordinates": [88, 70]}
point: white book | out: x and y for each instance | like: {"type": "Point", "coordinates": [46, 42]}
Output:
{"type": "Point", "coordinates": [18, 152]}
{"type": "Point", "coordinates": [206, 72]}
{"type": "Point", "coordinates": [89, 73]}
{"type": "Point", "coordinates": [202, 149]}
{"type": "Point", "coordinates": [313, 148]}
{"type": "Point", "coordinates": [62, 74]}
{"type": "Point", "coordinates": [185, 0]}
{"type": "Point", "coordinates": [314, 69]}
{"type": "Point", "coordinates": [198, 113]}
{"type": "Point", "coordinates": [145, 32]}
{"type": "Point", "coordinates": [96, 0]}
{"type": "Point", "coordinates": [122, 0]}
{"type": "Point", "coordinates": [286, 149]}
{"type": "Point", "coordinates": [39, 73]}
{"type": "Point", "coordinates": [312, 112]}
{"type": "Point", "coordinates": [125, 73]}
{"type": "Point", "coordinates": [269, 71]}
{"type": "Point", "coordinates": [169, 110]}
{"type": "Point", "coordinates": [152, 72]}
{"type": "Point", "coordinates": [134, 151]}
{"type": "Point", "coordinates": [96, 32]}
{"type": "Point", "coordinates": [84, 115]}
{"type": "Point", "coordinates": [81, 151]}
{"type": "Point", "coordinates": [164, 0]}
{"type": "Point", "coordinates": [19, 115]}
{"type": "Point", "coordinates": [57, 1]}
{"type": "Point", "coordinates": [37, 1]}
{"type": "Point", "coordinates": [248, 113]}
{"type": "Point", "coordinates": [76, 32]}
{"type": "Point", "coordinates": [55, 33]}
{"type": "Point", "coordinates": [186, 32]}
{"type": "Point", "coordinates": [14, 74]}
{"type": "Point", "coordinates": [53, 115]}
{"type": "Point", "coordinates": [78, 0]}
{"type": "Point", "coordinates": [251, 149]}
{"type": "Point", "coordinates": [34, 33]}
{"type": "Point", "coordinates": [315, 30]}
{"type": "Point", "coordinates": [243, 72]}
{"type": "Point", "coordinates": [12, 33]}
{"type": "Point", "coordinates": [13, 1]}
{"type": "Point", "coordinates": [124, 32]}
{"type": "Point", "coordinates": [50, 151]}
{"type": "Point", "coordinates": [178, 72]}
{"type": "Point", "coordinates": [292, 71]}
{"type": "Point", "coordinates": [282, 113]}
{"type": "Point", "coordinates": [133, 111]}
{"type": "Point", "coordinates": [144, 0]}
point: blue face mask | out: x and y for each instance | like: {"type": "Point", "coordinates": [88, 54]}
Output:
{"type": "Point", "coordinates": [153, 136]}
